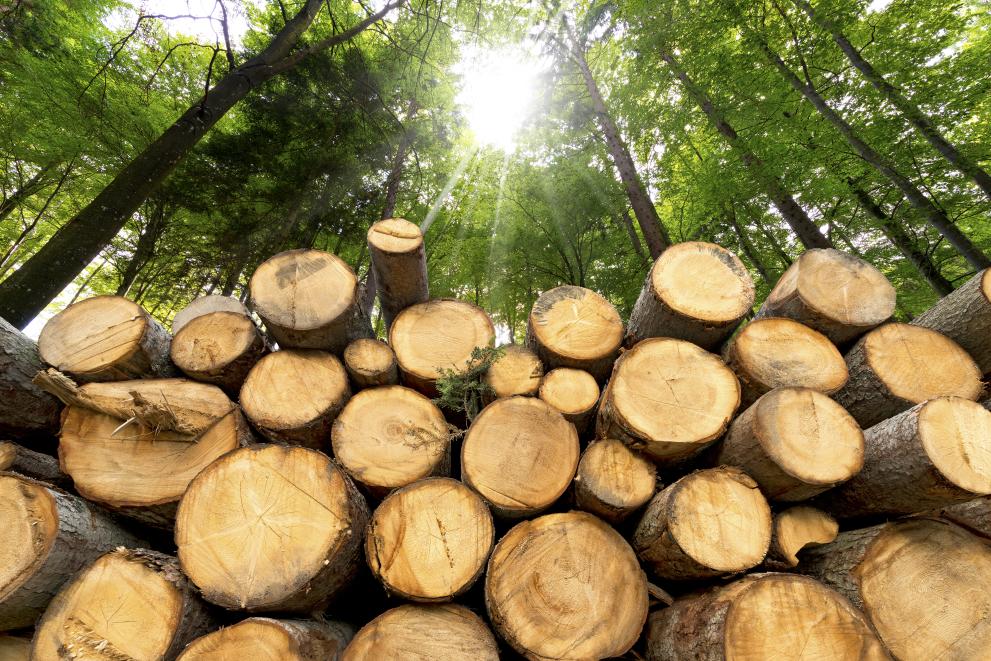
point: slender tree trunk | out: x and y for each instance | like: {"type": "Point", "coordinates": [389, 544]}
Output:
{"type": "Point", "coordinates": [747, 246]}
{"type": "Point", "coordinates": [626, 223]}
{"type": "Point", "coordinates": [806, 230]}
{"type": "Point", "coordinates": [911, 111]}
{"type": "Point", "coordinates": [144, 248]}
{"type": "Point", "coordinates": [775, 244]}
{"type": "Point", "coordinates": [29, 289]}
{"type": "Point", "coordinates": [5, 261]}
{"type": "Point", "coordinates": [27, 190]}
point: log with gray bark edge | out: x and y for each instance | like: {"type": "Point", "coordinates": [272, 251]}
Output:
{"type": "Point", "coordinates": [48, 536]}
{"type": "Point", "coordinates": [128, 604]}
{"type": "Point", "coordinates": [925, 585]}
{"type": "Point", "coordinates": [206, 305]}
{"type": "Point", "coordinates": [897, 366]}
{"type": "Point", "coordinates": [696, 291]}
{"type": "Point", "coordinates": [613, 481]}
{"type": "Point", "coordinates": [371, 363]}
{"type": "Point", "coordinates": [399, 263]}
{"type": "Point", "coordinates": [572, 392]}
{"type": "Point", "coordinates": [421, 632]}
{"type": "Point", "coordinates": [517, 371]}
{"type": "Point", "coordinates": [18, 459]}
{"type": "Point", "coordinates": [974, 515]}
{"type": "Point", "coordinates": [795, 529]}
{"type": "Point", "coordinates": [266, 639]}
{"type": "Point", "coordinates": [837, 294]}
{"type": "Point", "coordinates": [218, 348]}
{"type": "Point", "coordinates": [965, 317]}
{"type": "Point", "coordinates": [763, 616]}
{"type": "Point", "coordinates": [935, 454]}
{"type": "Point", "coordinates": [27, 412]}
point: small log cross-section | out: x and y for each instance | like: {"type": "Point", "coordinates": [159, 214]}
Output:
{"type": "Point", "coordinates": [517, 371]}
{"type": "Point", "coordinates": [265, 639]}
{"type": "Point", "coordinates": [294, 396]}
{"type": "Point", "coordinates": [430, 541]}
{"type": "Point", "coordinates": [128, 604]}
{"type": "Point", "coordinates": [837, 294]}
{"type": "Point", "coordinates": [575, 327]}
{"type": "Point", "coordinates": [795, 529]}
{"type": "Point", "coordinates": [435, 336]}
{"type": "Point", "coordinates": [781, 353]}
{"type": "Point", "coordinates": [965, 317]}
{"type": "Point", "coordinates": [520, 455]}
{"type": "Point", "coordinates": [935, 454]}
{"type": "Point", "coordinates": [370, 363]}
{"type": "Point", "coordinates": [709, 523]}
{"type": "Point", "coordinates": [572, 392]}
{"type": "Point", "coordinates": [48, 536]}
{"type": "Point", "coordinates": [613, 481]}
{"type": "Point", "coordinates": [308, 299]}
{"type": "Point", "coordinates": [668, 398]}
{"type": "Point", "coordinates": [925, 585]}
{"type": "Point", "coordinates": [697, 292]}
{"type": "Point", "coordinates": [27, 412]}
{"type": "Point", "coordinates": [763, 616]}
{"type": "Point", "coordinates": [796, 443]}
{"type": "Point", "coordinates": [271, 528]}
{"type": "Point", "coordinates": [399, 263]}
{"type": "Point", "coordinates": [218, 348]}
{"type": "Point", "coordinates": [105, 338]}
{"type": "Point", "coordinates": [206, 305]}
{"type": "Point", "coordinates": [897, 366]}
{"type": "Point", "coordinates": [442, 632]}
{"type": "Point", "coordinates": [566, 586]}
{"type": "Point", "coordinates": [389, 437]}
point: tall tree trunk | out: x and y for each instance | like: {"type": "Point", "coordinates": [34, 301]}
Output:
{"type": "Point", "coordinates": [29, 289]}
{"type": "Point", "coordinates": [747, 246]}
{"type": "Point", "coordinates": [806, 230]}
{"type": "Point", "coordinates": [6, 260]}
{"type": "Point", "coordinates": [911, 111]}
{"type": "Point", "coordinates": [626, 223]}
{"type": "Point", "coordinates": [933, 214]}
{"type": "Point", "coordinates": [27, 190]}
{"type": "Point", "coordinates": [144, 248]}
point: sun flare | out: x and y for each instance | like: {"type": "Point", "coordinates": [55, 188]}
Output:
{"type": "Point", "coordinates": [497, 95]}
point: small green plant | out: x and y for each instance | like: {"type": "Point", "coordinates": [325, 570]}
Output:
{"type": "Point", "coordinates": [464, 390]}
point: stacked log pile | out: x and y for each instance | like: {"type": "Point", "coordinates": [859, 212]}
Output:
{"type": "Point", "coordinates": [273, 482]}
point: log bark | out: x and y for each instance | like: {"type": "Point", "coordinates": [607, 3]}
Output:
{"type": "Point", "coordinates": [399, 262]}
{"type": "Point", "coordinates": [27, 413]}
{"type": "Point", "coordinates": [371, 363]}
{"type": "Point", "coordinates": [974, 515]}
{"type": "Point", "coordinates": [572, 392]}
{"type": "Point", "coordinates": [43, 467]}
{"type": "Point", "coordinates": [218, 348]}
{"type": "Point", "coordinates": [553, 583]}
{"type": "Point", "coordinates": [965, 317]}
{"type": "Point", "coordinates": [613, 481]}
{"type": "Point", "coordinates": [518, 371]}
{"type": "Point", "coordinates": [293, 504]}
{"type": "Point", "coordinates": [446, 632]}
{"type": "Point", "coordinates": [677, 299]}
{"type": "Point", "coordinates": [205, 305]}
{"type": "Point", "coordinates": [795, 529]}
{"type": "Point", "coordinates": [265, 638]}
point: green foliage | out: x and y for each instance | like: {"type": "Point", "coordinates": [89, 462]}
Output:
{"type": "Point", "coordinates": [464, 390]}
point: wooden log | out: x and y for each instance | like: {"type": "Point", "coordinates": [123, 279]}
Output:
{"type": "Point", "coordinates": [517, 371]}
{"type": "Point", "coordinates": [105, 338]}
{"type": "Point", "coordinates": [697, 292]}
{"type": "Point", "coordinates": [218, 348]}
{"type": "Point", "coordinates": [613, 481]}
{"type": "Point", "coordinates": [389, 437]}
{"type": "Point", "coordinates": [266, 639]}
{"type": "Point", "coordinates": [781, 353]}
{"type": "Point", "coordinates": [795, 529]}
{"type": "Point", "coordinates": [271, 528]}
{"type": "Point", "coordinates": [925, 585]}
{"type": "Point", "coordinates": [13, 648]}
{"type": "Point", "coordinates": [897, 366]}
{"type": "Point", "coordinates": [974, 515]}
{"type": "Point", "coordinates": [442, 632]}
{"type": "Point", "coordinates": [669, 399]}
{"type": "Point", "coordinates": [44, 467]}
{"type": "Point", "coordinates": [371, 363]}
{"type": "Point", "coordinates": [710, 523]}
{"type": "Point", "coordinates": [796, 443]}
{"type": "Point", "coordinates": [572, 392]}
{"type": "Point", "coordinates": [837, 294]}
{"type": "Point", "coordinates": [27, 413]}
{"type": "Point", "coordinates": [308, 299]}
{"type": "Point", "coordinates": [566, 586]}
{"type": "Point", "coordinates": [49, 535]}
{"type": "Point", "coordinates": [399, 263]}
{"type": "Point", "coordinates": [932, 455]}
{"type": "Point", "coordinates": [128, 604]}
{"type": "Point", "coordinates": [207, 305]}
{"type": "Point", "coordinates": [520, 455]}
{"type": "Point", "coordinates": [430, 338]}
{"type": "Point", "coordinates": [965, 317]}
{"type": "Point", "coordinates": [293, 396]}
{"type": "Point", "coordinates": [429, 541]}
{"type": "Point", "coordinates": [575, 327]}
{"type": "Point", "coordinates": [763, 616]}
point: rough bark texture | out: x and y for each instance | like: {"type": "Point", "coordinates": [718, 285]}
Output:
{"type": "Point", "coordinates": [38, 466]}
{"type": "Point", "coordinates": [965, 317]}
{"type": "Point", "coordinates": [974, 515]}
{"type": "Point", "coordinates": [26, 411]}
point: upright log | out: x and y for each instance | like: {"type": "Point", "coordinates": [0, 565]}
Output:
{"type": "Point", "coordinates": [370, 363]}
{"type": "Point", "coordinates": [837, 294]}
{"type": "Point", "coordinates": [44, 467]}
{"type": "Point", "coordinates": [572, 392]}
{"type": "Point", "coordinates": [207, 305]}
{"type": "Point", "coordinates": [795, 529]}
{"type": "Point", "coordinates": [518, 371]}
{"type": "Point", "coordinates": [218, 348]}
{"type": "Point", "coordinates": [897, 366]}
{"type": "Point", "coordinates": [445, 632]}
{"type": "Point", "coordinates": [265, 639]}
{"type": "Point", "coordinates": [27, 413]}
{"type": "Point", "coordinates": [613, 481]}
{"type": "Point", "coordinates": [965, 317]}
{"type": "Point", "coordinates": [399, 264]}
{"type": "Point", "coordinates": [575, 327]}
{"type": "Point", "coordinates": [696, 291]}
{"type": "Point", "coordinates": [566, 586]}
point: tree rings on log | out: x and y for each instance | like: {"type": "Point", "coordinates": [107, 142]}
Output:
{"type": "Point", "coordinates": [965, 317]}
{"type": "Point", "coordinates": [517, 371]}
{"type": "Point", "coordinates": [218, 348]}
{"type": "Point", "coordinates": [371, 363]}
{"type": "Point", "coordinates": [399, 263]}
{"type": "Point", "coordinates": [613, 481]}
{"type": "Point", "coordinates": [572, 392]}
{"type": "Point", "coordinates": [207, 305]}
{"type": "Point", "coordinates": [265, 639]}
{"type": "Point", "coordinates": [442, 632]}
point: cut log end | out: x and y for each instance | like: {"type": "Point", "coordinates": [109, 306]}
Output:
{"type": "Point", "coordinates": [441, 632]}
{"type": "Point", "coordinates": [797, 528]}
{"type": "Point", "coordinates": [207, 305]}
{"type": "Point", "coordinates": [964, 316]}
{"type": "Point", "coordinates": [218, 348]}
{"type": "Point", "coordinates": [395, 235]}
{"type": "Point", "coordinates": [956, 435]}
{"type": "Point", "coordinates": [371, 363]}
{"type": "Point", "coordinates": [265, 639]}
{"type": "Point", "coordinates": [613, 481]}
{"type": "Point", "coordinates": [572, 392]}
{"type": "Point", "coordinates": [31, 524]}
{"type": "Point", "coordinates": [517, 372]}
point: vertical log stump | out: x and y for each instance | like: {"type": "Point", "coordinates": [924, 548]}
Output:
{"type": "Point", "coordinates": [399, 263]}
{"type": "Point", "coordinates": [294, 396]}
{"type": "Point", "coordinates": [207, 305]}
{"type": "Point", "coordinates": [517, 372]}
{"type": "Point", "coordinates": [669, 399]}
{"type": "Point", "coordinates": [17, 459]}
{"type": "Point", "coordinates": [965, 317]}
{"type": "Point", "coordinates": [433, 337]}
{"type": "Point", "coordinates": [697, 292]}
{"type": "Point", "coordinates": [613, 481]}
{"type": "Point", "coordinates": [925, 585]}
{"type": "Point", "coordinates": [105, 338]}
{"type": "Point", "coordinates": [781, 353]}
{"type": "Point", "coordinates": [572, 392]}
{"type": "Point", "coordinates": [308, 299]}
{"type": "Point", "coordinates": [265, 639]}
{"type": "Point", "coordinates": [49, 535]}
{"type": "Point", "coordinates": [218, 348]}
{"type": "Point", "coordinates": [575, 327]}
{"type": "Point", "coordinates": [129, 604]}
{"type": "Point", "coordinates": [795, 529]}
{"type": "Point", "coordinates": [371, 363]}
{"type": "Point", "coordinates": [796, 443]}
{"type": "Point", "coordinates": [271, 528]}
{"type": "Point", "coordinates": [27, 413]}
{"type": "Point", "coordinates": [520, 455]}
{"type": "Point", "coordinates": [445, 632]}
{"type": "Point", "coordinates": [709, 523]}
{"type": "Point", "coordinates": [763, 616]}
